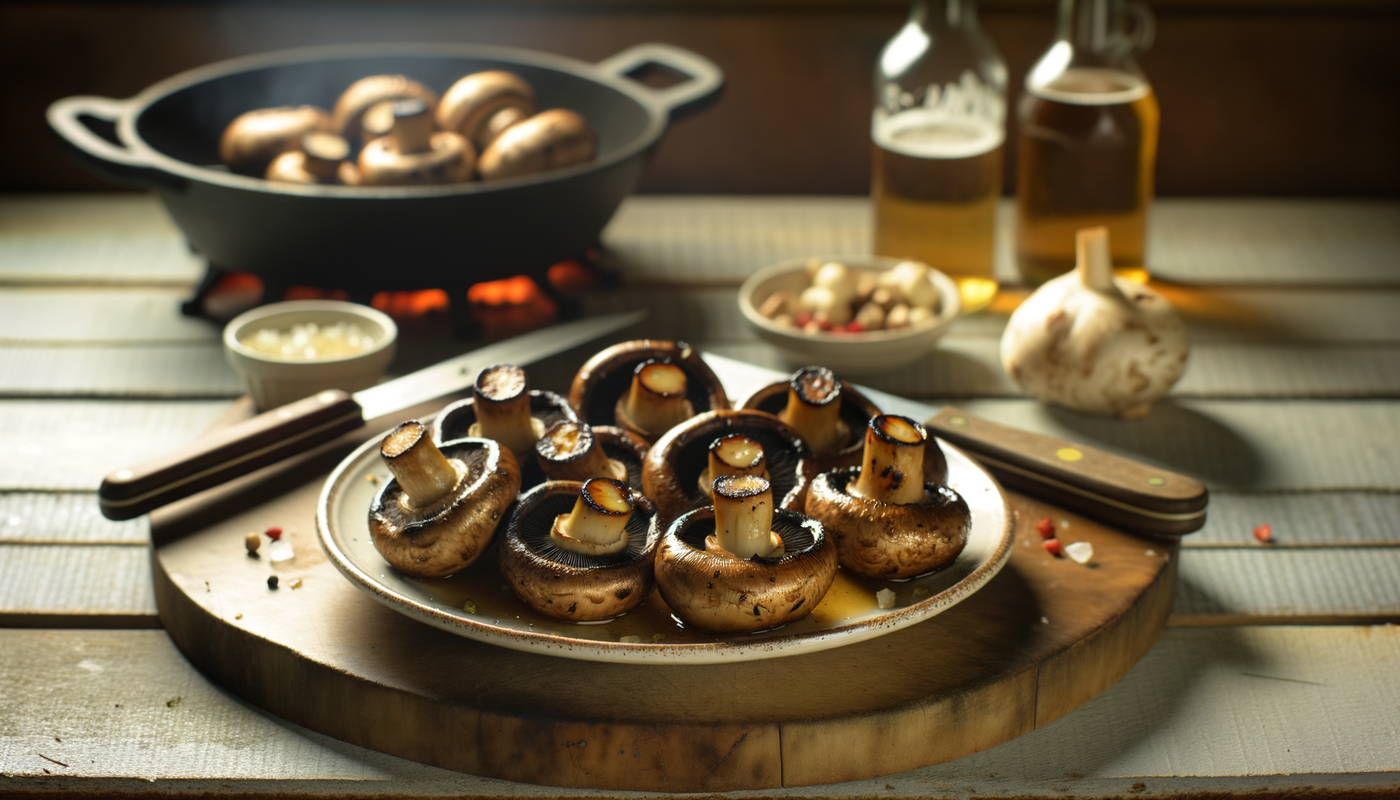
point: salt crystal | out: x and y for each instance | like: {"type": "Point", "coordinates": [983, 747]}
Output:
{"type": "Point", "coordinates": [1151, 553]}
{"type": "Point", "coordinates": [885, 598]}
{"type": "Point", "coordinates": [1080, 551]}
{"type": "Point", "coordinates": [281, 550]}
{"type": "Point", "coordinates": [1044, 620]}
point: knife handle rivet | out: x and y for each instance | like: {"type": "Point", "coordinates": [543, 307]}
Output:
{"type": "Point", "coordinates": [1069, 454]}
{"type": "Point", "coordinates": [1156, 480]}
{"type": "Point", "coordinates": [961, 422]}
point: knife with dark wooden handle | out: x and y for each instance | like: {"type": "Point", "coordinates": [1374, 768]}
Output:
{"type": "Point", "coordinates": [301, 425]}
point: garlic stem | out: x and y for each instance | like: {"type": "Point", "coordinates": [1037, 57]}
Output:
{"type": "Point", "coordinates": [656, 402]}
{"type": "Point", "coordinates": [736, 455]}
{"type": "Point", "coordinates": [423, 472]}
{"type": "Point", "coordinates": [744, 515]}
{"type": "Point", "coordinates": [1094, 261]}
{"type": "Point", "coordinates": [892, 468]}
{"type": "Point", "coordinates": [413, 126]}
{"type": "Point", "coordinates": [597, 525]}
{"type": "Point", "coordinates": [814, 408]}
{"type": "Point", "coordinates": [569, 451]}
{"type": "Point", "coordinates": [503, 408]}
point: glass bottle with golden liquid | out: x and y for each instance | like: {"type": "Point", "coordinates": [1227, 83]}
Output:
{"type": "Point", "coordinates": [1087, 145]}
{"type": "Point", "coordinates": [938, 127]}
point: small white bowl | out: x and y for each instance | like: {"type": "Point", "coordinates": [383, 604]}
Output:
{"type": "Point", "coordinates": [844, 353]}
{"type": "Point", "coordinates": [275, 380]}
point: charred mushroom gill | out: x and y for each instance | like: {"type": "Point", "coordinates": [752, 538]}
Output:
{"type": "Point", "coordinates": [656, 401]}
{"type": "Point", "coordinates": [671, 476]}
{"type": "Point", "coordinates": [576, 451]}
{"type": "Point", "coordinates": [580, 552]}
{"type": "Point", "coordinates": [412, 155]}
{"type": "Point", "coordinates": [442, 507]}
{"type": "Point", "coordinates": [711, 586]}
{"type": "Point", "coordinates": [549, 140]}
{"type": "Point", "coordinates": [607, 377]}
{"type": "Point", "coordinates": [375, 92]}
{"type": "Point", "coordinates": [321, 159]}
{"type": "Point", "coordinates": [253, 140]}
{"type": "Point", "coordinates": [482, 105]}
{"type": "Point", "coordinates": [888, 522]}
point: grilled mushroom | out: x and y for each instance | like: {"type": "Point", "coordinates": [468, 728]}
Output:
{"type": "Point", "coordinates": [442, 507]}
{"type": "Point", "coordinates": [580, 551]}
{"type": "Point", "coordinates": [483, 104]}
{"type": "Point", "coordinates": [740, 566]}
{"type": "Point", "coordinates": [577, 451]}
{"type": "Point", "coordinates": [549, 140]}
{"type": "Point", "coordinates": [672, 474]}
{"type": "Point", "coordinates": [320, 160]}
{"type": "Point", "coordinates": [254, 139]}
{"type": "Point", "coordinates": [375, 92]}
{"type": "Point", "coordinates": [504, 408]}
{"type": "Point", "coordinates": [413, 155]}
{"type": "Point", "coordinates": [656, 401]}
{"type": "Point", "coordinates": [888, 522]}
{"type": "Point", "coordinates": [607, 379]}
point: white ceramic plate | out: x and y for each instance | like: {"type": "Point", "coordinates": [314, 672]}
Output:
{"type": "Point", "coordinates": [649, 634]}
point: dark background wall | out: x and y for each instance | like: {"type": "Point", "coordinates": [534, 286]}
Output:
{"type": "Point", "coordinates": [1258, 97]}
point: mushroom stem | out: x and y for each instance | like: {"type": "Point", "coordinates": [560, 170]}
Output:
{"type": "Point", "coordinates": [423, 472]}
{"type": "Point", "coordinates": [892, 468]}
{"type": "Point", "coordinates": [503, 408]}
{"type": "Point", "coordinates": [568, 451]}
{"type": "Point", "coordinates": [597, 525]}
{"type": "Point", "coordinates": [1094, 263]}
{"type": "Point", "coordinates": [736, 454]}
{"type": "Point", "coordinates": [656, 402]}
{"type": "Point", "coordinates": [744, 516]}
{"type": "Point", "coordinates": [413, 126]}
{"type": "Point", "coordinates": [814, 408]}
{"type": "Point", "coordinates": [324, 154]}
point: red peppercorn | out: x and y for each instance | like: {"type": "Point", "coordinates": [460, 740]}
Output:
{"type": "Point", "coordinates": [1264, 533]}
{"type": "Point", "coordinates": [274, 533]}
{"type": "Point", "coordinates": [803, 318]}
{"type": "Point", "coordinates": [1046, 528]}
{"type": "Point", "coordinates": [854, 327]}
{"type": "Point", "coordinates": [1053, 546]}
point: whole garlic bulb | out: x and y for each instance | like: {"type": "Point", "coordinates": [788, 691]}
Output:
{"type": "Point", "coordinates": [1093, 342]}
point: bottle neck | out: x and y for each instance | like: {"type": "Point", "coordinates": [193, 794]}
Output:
{"type": "Point", "coordinates": [1102, 27]}
{"type": "Point", "coordinates": [938, 13]}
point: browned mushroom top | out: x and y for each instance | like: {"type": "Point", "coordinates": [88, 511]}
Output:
{"type": "Point", "coordinates": [483, 104]}
{"type": "Point", "coordinates": [365, 93]}
{"type": "Point", "coordinates": [320, 160]}
{"type": "Point", "coordinates": [413, 155]}
{"type": "Point", "coordinates": [255, 138]}
{"type": "Point", "coordinates": [549, 140]}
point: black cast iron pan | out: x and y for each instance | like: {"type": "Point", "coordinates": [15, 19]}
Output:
{"type": "Point", "coordinates": [371, 238]}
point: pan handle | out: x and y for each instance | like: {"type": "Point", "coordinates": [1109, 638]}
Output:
{"type": "Point", "coordinates": [705, 78]}
{"type": "Point", "coordinates": [118, 163]}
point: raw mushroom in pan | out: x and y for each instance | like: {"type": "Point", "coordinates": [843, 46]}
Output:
{"type": "Point", "coordinates": [580, 551]}
{"type": "Point", "coordinates": [439, 512]}
{"type": "Point", "coordinates": [413, 155]}
{"type": "Point", "coordinates": [606, 380]}
{"type": "Point", "coordinates": [377, 93]}
{"type": "Point", "coordinates": [683, 465]}
{"type": "Point", "coordinates": [549, 140]}
{"type": "Point", "coordinates": [482, 105]}
{"type": "Point", "coordinates": [321, 159]}
{"type": "Point", "coordinates": [888, 522]}
{"type": "Point", "coordinates": [577, 451]}
{"type": "Point", "coordinates": [255, 138]}
{"type": "Point", "coordinates": [741, 566]}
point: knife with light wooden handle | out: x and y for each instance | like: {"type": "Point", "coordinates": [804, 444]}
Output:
{"type": "Point", "coordinates": [301, 425]}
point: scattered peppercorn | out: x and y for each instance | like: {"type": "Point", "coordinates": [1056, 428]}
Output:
{"type": "Point", "coordinates": [1264, 533]}
{"type": "Point", "coordinates": [252, 541]}
{"type": "Point", "coordinates": [1046, 528]}
{"type": "Point", "coordinates": [1053, 546]}
{"type": "Point", "coordinates": [274, 533]}
{"type": "Point", "coordinates": [272, 581]}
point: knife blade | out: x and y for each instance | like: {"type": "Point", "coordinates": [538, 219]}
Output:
{"type": "Point", "coordinates": [298, 426]}
{"type": "Point", "coordinates": [1110, 488]}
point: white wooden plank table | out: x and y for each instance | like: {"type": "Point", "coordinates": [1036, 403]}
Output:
{"type": "Point", "coordinates": [1277, 675]}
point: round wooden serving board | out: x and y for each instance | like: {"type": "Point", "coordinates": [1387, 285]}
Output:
{"type": "Point", "coordinates": [1044, 636]}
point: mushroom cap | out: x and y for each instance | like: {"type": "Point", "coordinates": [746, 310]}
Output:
{"type": "Point", "coordinates": [347, 117]}
{"type": "Point", "coordinates": [452, 533]}
{"type": "Point", "coordinates": [318, 161]}
{"type": "Point", "coordinates": [471, 102]}
{"type": "Point", "coordinates": [450, 160]}
{"type": "Point", "coordinates": [670, 475]}
{"type": "Point", "coordinates": [567, 585]}
{"type": "Point", "coordinates": [549, 140]}
{"type": "Point", "coordinates": [607, 376]}
{"type": "Point", "coordinates": [455, 422]}
{"type": "Point", "coordinates": [255, 138]}
{"type": "Point", "coordinates": [725, 594]}
{"type": "Point", "coordinates": [888, 540]}
{"type": "Point", "coordinates": [1105, 352]}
